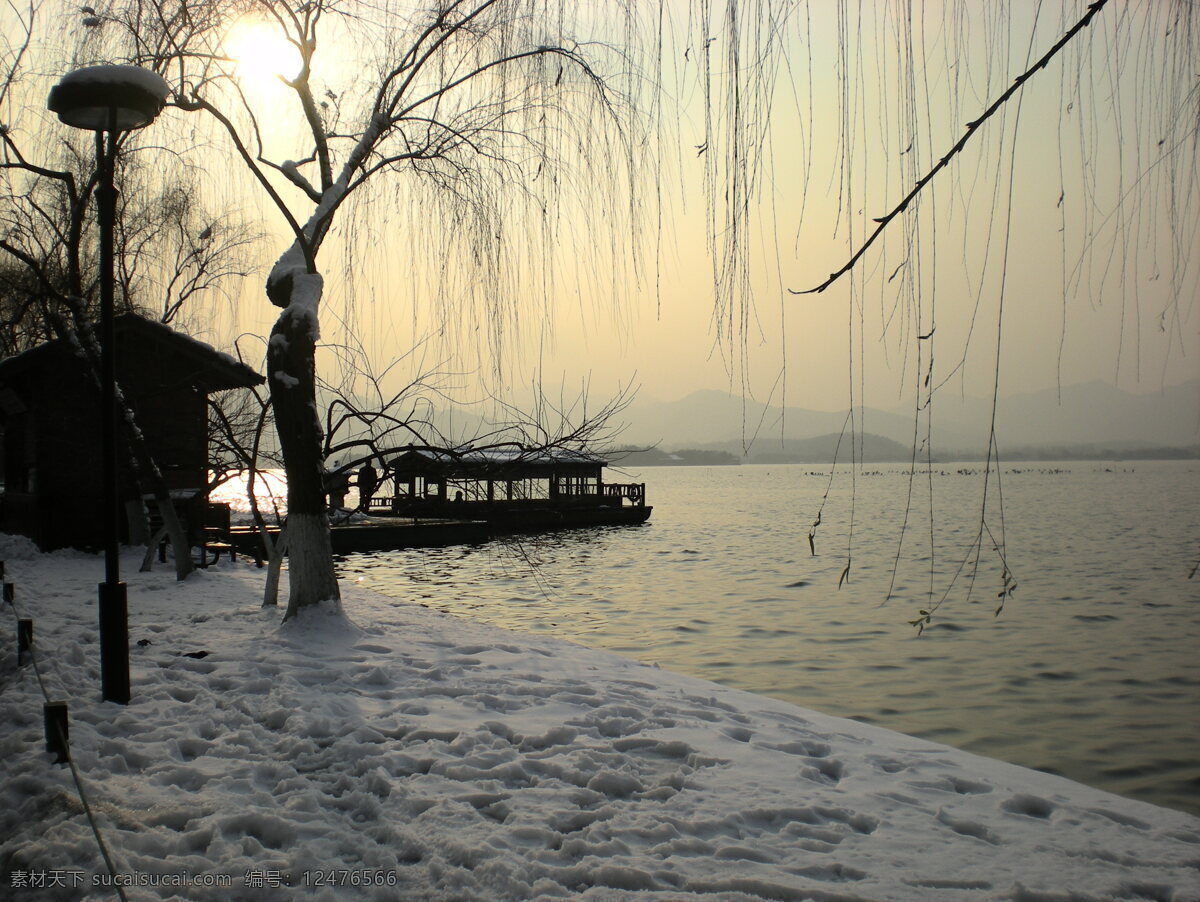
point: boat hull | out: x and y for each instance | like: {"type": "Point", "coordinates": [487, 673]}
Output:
{"type": "Point", "coordinates": [531, 517]}
{"type": "Point", "coordinates": [547, 519]}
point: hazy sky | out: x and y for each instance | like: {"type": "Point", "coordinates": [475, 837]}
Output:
{"type": "Point", "coordinates": [1087, 290]}
{"type": "Point", "coordinates": [1093, 261]}
{"type": "Point", "coordinates": [1094, 285]}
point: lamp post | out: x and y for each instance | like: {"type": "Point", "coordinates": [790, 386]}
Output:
{"type": "Point", "coordinates": [109, 100]}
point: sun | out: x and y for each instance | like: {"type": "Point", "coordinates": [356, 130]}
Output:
{"type": "Point", "coordinates": [261, 51]}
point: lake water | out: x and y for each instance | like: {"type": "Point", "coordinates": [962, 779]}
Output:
{"type": "Point", "coordinates": [1091, 671]}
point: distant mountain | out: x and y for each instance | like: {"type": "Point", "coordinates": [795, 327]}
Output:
{"type": "Point", "coordinates": [688, 457]}
{"type": "Point", "coordinates": [869, 448]}
{"type": "Point", "coordinates": [1093, 419]}
{"type": "Point", "coordinates": [1092, 414]}
{"type": "Point", "coordinates": [709, 418]}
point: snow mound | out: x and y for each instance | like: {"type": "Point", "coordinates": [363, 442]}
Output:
{"type": "Point", "coordinates": [17, 548]}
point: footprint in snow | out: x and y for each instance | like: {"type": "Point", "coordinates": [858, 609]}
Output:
{"type": "Point", "coordinates": [965, 827]}
{"type": "Point", "coordinates": [1029, 806]}
{"type": "Point", "coordinates": [374, 649]}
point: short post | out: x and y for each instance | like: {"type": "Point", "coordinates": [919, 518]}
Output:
{"type": "Point", "coordinates": [24, 641]}
{"type": "Point", "coordinates": [55, 716]}
{"type": "Point", "coordinates": [10, 592]}
{"type": "Point", "coordinates": [114, 643]}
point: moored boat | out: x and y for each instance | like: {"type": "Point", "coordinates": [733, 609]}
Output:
{"type": "Point", "coordinates": [511, 490]}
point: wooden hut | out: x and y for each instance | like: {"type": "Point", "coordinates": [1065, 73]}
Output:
{"type": "Point", "coordinates": [50, 416]}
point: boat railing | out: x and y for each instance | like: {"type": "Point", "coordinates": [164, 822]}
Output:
{"type": "Point", "coordinates": [634, 491]}
{"type": "Point", "coordinates": [382, 504]}
{"type": "Point", "coordinates": [609, 491]}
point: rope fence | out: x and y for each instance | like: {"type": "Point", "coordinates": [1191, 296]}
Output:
{"type": "Point", "coordinates": [56, 722]}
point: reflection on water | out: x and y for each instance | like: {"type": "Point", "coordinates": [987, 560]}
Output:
{"type": "Point", "coordinates": [1091, 670]}
{"type": "Point", "coordinates": [270, 491]}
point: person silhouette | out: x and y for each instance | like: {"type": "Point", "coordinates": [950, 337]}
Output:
{"type": "Point", "coordinates": [368, 482]}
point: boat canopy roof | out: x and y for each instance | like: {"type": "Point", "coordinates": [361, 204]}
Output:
{"type": "Point", "coordinates": [495, 463]}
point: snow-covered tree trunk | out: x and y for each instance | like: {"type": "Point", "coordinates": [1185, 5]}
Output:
{"type": "Point", "coordinates": [291, 375]}
{"type": "Point", "coordinates": [276, 550]}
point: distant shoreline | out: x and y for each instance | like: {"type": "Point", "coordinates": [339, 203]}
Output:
{"type": "Point", "coordinates": [693, 457]}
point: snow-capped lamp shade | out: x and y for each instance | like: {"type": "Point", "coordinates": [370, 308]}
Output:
{"type": "Point", "coordinates": [86, 98]}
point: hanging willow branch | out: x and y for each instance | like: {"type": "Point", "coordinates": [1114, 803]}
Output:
{"type": "Point", "coordinates": [972, 127]}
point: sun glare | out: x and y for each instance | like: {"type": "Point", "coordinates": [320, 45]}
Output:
{"type": "Point", "coordinates": [261, 51]}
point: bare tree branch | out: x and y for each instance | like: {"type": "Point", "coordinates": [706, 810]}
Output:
{"type": "Point", "coordinates": [972, 128]}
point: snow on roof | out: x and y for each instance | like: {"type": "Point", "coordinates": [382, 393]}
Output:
{"type": "Point", "coordinates": [428, 756]}
{"type": "Point", "coordinates": [235, 371]}
{"type": "Point", "coordinates": [510, 457]}
{"type": "Point", "coordinates": [136, 76]}
{"type": "Point", "coordinates": [203, 347]}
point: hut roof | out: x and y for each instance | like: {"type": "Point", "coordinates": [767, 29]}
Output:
{"type": "Point", "coordinates": [213, 370]}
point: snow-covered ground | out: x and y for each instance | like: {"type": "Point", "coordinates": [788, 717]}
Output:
{"type": "Point", "coordinates": [399, 753]}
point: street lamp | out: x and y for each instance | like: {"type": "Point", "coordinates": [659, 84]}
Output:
{"type": "Point", "coordinates": [109, 99]}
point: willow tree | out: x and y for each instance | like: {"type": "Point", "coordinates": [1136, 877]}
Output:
{"type": "Point", "coordinates": [486, 102]}
{"type": "Point", "coordinates": [909, 150]}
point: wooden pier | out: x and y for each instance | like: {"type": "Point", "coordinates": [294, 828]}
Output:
{"type": "Point", "coordinates": [376, 534]}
